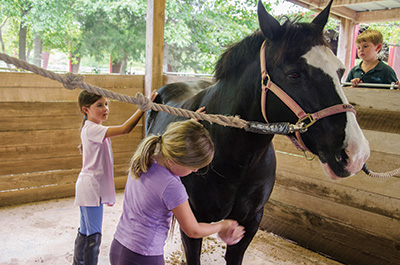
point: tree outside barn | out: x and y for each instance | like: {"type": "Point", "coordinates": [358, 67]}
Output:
{"type": "Point", "coordinates": [109, 36]}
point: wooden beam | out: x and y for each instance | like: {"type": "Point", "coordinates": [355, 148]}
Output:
{"type": "Point", "coordinates": [154, 45]}
{"type": "Point", "coordinates": [339, 10]}
{"type": "Point", "coordinates": [317, 6]}
{"type": "Point", "coordinates": [378, 16]}
{"type": "Point", "coordinates": [345, 43]}
{"type": "Point", "coordinates": [337, 3]}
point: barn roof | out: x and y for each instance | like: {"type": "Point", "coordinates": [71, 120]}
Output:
{"type": "Point", "coordinates": [359, 11]}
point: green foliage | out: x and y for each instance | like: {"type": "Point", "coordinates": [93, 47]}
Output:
{"type": "Point", "coordinates": [196, 31]}
{"type": "Point", "coordinates": [390, 31]}
{"type": "Point", "coordinates": [112, 27]}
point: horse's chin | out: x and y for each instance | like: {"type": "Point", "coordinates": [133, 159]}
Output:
{"type": "Point", "coordinates": [329, 172]}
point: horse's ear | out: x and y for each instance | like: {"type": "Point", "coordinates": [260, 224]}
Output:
{"type": "Point", "coordinates": [322, 17]}
{"type": "Point", "coordinates": [269, 26]}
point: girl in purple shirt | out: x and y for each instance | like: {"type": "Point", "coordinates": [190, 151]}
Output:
{"type": "Point", "coordinates": [154, 192]}
{"type": "Point", "coordinates": [95, 184]}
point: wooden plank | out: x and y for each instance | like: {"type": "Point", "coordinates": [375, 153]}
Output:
{"type": "Point", "coordinates": [49, 178]}
{"type": "Point", "coordinates": [26, 153]}
{"type": "Point", "coordinates": [48, 123]}
{"type": "Point", "coordinates": [172, 79]}
{"type": "Point", "coordinates": [51, 108]}
{"type": "Point", "coordinates": [344, 242]}
{"type": "Point", "coordinates": [386, 15]}
{"type": "Point", "coordinates": [333, 191]}
{"type": "Point", "coordinates": [154, 45]}
{"type": "Point", "coordinates": [30, 87]}
{"type": "Point", "coordinates": [379, 120]}
{"type": "Point", "coordinates": [24, 138]}
{"type": "Point", "coordinates": [55, 115]}
{"type": "Point", "coordinates": [31, 80]}
{"type": "Point", "coordinates": [311, 169]}
{"type": "Point", "coordinates": [360, 218]}
{"type": "Point", "coordinates": [53, 163]}
{"type": "Point", "coordinates": [379, 99]}
{"type": "Point", "coordinates": [46, 193]}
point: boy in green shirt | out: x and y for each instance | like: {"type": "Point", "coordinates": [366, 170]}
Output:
{"type": "Point", "coordinates": [371, 69]}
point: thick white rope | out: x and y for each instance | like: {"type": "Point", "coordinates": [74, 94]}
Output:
{"type": "Point", "coordinates": [72, 81]}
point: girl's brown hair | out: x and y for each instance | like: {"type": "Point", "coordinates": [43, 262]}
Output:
{"type": "Point", "coordinates": [186, 143]}
{"type": "Point", "coordinates": [86, 99]}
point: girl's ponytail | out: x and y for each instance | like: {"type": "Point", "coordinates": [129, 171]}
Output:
{"type": "Point", "coordinates": [142, 159]}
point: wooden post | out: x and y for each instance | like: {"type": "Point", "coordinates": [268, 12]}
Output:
{"type": "Point", "coordinates": [154, 45]}
{"type": "Point", "coordinates": [346, 43]}
{"type": "Point", "coordinates": [353, 46]}
{"type": "Point", "coordinates": [394, 59]}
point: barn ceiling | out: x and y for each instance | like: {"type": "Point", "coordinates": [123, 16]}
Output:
{"type": "Point", "coordinates": [359, 11]}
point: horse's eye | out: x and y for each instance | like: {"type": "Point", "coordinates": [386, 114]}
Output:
{"type": "Point", "coordinates": [294, 75]}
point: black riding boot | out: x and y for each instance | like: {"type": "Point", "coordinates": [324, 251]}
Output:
{"type": "Point", "coordinates": [92, 249]}
{"type": "Point", "coordinates": [79, 249]}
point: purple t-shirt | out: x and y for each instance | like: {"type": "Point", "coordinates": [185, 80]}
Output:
{"type": "Point", "coordinates": [148, 201]}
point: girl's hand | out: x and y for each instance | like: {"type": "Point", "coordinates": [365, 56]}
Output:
{"type": "Point", "coordinates": [200, 110]}
{"type": "Point", "coordinates": [356, 81]}
{"type": "Point", "coordinates": [232, 232]}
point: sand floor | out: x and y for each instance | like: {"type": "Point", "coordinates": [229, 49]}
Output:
{"type": "Point", "coordinates": [44, 233]}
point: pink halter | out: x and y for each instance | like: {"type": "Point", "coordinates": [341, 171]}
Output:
{"type": "Point", "coordinates": [305, 119]}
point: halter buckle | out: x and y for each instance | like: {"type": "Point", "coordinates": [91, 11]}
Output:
{"type": "Point", "coordinates": [307, 121]}
{"type": "Point", "coordinates": [265, 78]}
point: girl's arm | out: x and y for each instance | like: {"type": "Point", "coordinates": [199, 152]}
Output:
{"type": "Point", "coordinates": [228, 230]}
{"type": "Point", "coordinates": [128, 126]}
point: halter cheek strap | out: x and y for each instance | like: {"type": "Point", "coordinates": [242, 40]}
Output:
{"type": "Point", "coordinates": [305, 119]}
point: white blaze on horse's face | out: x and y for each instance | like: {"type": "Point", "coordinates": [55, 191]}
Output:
{"type": "Point", "coordinates": [355, 144]}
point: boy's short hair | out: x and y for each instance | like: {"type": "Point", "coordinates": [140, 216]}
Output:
{"type": "Point", "coordinates": [370, 35]}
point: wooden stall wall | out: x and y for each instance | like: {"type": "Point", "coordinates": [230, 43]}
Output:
{"type": "Point", "coordinates": [39, 135]}
{"type": "Point", "coordinates": [355, 220]}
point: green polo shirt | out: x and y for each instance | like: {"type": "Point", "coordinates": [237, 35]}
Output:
{"type": "Point", "coordinates": [380, 74]}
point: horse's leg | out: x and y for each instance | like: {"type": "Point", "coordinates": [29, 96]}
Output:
{"type": "Point", "coordinates": [234, 254]}
{"type": "Point", "coordinates": [192, 249]}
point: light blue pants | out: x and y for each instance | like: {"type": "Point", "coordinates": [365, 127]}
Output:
{"type": "Point", "coordinates": [91, 220]}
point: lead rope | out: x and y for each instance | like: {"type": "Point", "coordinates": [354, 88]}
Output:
{"type": "Point", "coordinates": [373, 174]}
{"type": "Point", "coordinates": [72, 81]}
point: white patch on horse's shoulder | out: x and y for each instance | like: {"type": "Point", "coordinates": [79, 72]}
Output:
{"type": "Point", "coordinates": [323, 58]}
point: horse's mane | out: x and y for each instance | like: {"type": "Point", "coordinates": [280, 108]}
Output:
{"type": "Point", "coordinates": [296, 38]}
{"type": "Point", "coordinates": [237, 56]}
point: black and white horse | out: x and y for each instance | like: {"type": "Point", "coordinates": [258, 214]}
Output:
{"type": "Point", "coordinates": [296, 59]}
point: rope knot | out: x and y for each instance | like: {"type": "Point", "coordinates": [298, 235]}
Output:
{"type": "Point", "coordinates": [73, 81]}
{"type": "Point", "coordinates": [143, 102]}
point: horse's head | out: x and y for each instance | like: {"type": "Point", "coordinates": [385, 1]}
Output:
{"type": "Point", "coordinates": [300, 62]}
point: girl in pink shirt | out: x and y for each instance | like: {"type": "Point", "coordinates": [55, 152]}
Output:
{"type": "Point", "coordinates": [154, 192]}
{"type": "Point", "coordinates": [95, 184]}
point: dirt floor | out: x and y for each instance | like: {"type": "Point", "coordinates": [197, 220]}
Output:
{"type": "Point", "coordinates": [44, 233]}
